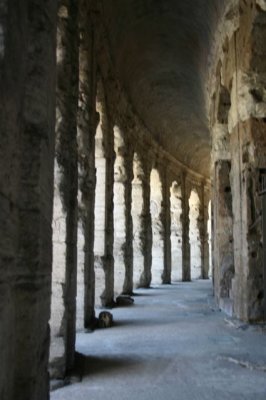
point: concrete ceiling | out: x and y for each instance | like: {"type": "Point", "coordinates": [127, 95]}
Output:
{"type": "Point", "coordinates": [160, 50]}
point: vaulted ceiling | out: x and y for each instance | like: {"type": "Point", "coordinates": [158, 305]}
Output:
{"type": "Point", "coordinates": [160, 50]}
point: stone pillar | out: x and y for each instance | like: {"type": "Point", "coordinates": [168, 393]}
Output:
{"type": "Point", "coordinates": [223, 231]}
{"type": "Point", "coordinates": [137, 210]}
{"type": "Point", "coordinates": [88, 121]}
{"type": "Point", "coordinates": [66, 158]}
{"type": "Point", "coordinates": [100, 201]}
{"type": "Point", "coordinates": [203, 232]}
{"type": "Point", "coordinates": [186, 271]}
{"type": "Point", "coordinates": [146, 234]}
{"type": "Point", "coordinates": [128, 248]}
{"type": "Point", "coordinates": [27, 120]}
{"type": "Point", "coordinates": [176, 230]}
{"type": "Point", "coordinates": [166, 219]}
{"type": "Point", "coordinates": [206, 247]}
{"type": "Point", "coordinates": [157, 214]}
{"type": "Point", "coordinates": [10, 95]}
{"type": "Point", "coordinates": [120, 179]}
{"type": "Point", "coordinates": [108, 259]}
{"type": "Point", "coordinates": [248, 282]}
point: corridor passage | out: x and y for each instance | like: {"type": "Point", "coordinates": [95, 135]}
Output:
{"type": "Point", "coordinates": [172, 345]}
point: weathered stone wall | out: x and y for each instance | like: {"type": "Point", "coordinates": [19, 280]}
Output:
{"type": "Point", "coordinates": [240, 69]}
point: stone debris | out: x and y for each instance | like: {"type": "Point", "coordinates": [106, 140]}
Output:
{"type": "Point", "coordinates": [105, 319]}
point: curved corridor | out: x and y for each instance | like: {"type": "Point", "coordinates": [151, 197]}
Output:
{"type": "Point", "coordinates": [172, 344]}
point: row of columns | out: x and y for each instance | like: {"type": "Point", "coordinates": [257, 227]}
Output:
{"type": "Point", "coordinates": [122, 175]}
{"type": "Point", "coordinates": [27, 118]}
{"type": "Point", "coordinates": [78, 64]}
{"type": "Point", "coordinates": [145, 235]}
{"type": "Point", "coordinates": [27, 160]}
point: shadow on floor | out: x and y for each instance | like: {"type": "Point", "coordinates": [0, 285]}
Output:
{"type": "Point", "coordinates": [88, 365]}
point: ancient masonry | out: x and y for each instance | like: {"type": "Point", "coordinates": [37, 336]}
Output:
{"type": "Point", "coordinates": [91, 206]}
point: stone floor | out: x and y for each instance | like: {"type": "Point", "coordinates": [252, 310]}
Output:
{"type": "Point", "coordinates": [172, 344]}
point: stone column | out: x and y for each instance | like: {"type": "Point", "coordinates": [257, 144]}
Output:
{"type": "Point", "coordinates": [223, 232]}
{"type": "Point", "coordinates": [186, 270]}
{"type": "Point", "coordinates": [166, 219]}
{"type": "Point", "coordinates": [206, 248]}
{"type": "Point", "coordinates": [88, 121]}
{"type": "Point", "coordinates": [27, 120]}
{"type": "Point", "coordinates": [120, 179]}
{"type": "Point", "coordinates": [66, 157]}
{"type": "Point", "coordinates": [108, 259]}
{"type": "Point", "coordinates": [146, 234]}
{"type": "Point", "coordinates": [203, 232]}
{"type": "Point", "coordinates": [137, 210]}
{"type": "Point", "coordinates": [128, 247]}
{"type": "Point", "coordinates": [10, 95]}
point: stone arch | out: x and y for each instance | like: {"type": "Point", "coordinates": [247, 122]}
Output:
{"type": "Point", "coordinates": [156, 198]}
{"type": "Point", "coordinates": [119, 211]}
{"type": "Point", "coordinates": [194, 235]}
{"type": "Point", "coordinates": [176, 231]}
{"type": "Point", "coordinates": [137, 218]}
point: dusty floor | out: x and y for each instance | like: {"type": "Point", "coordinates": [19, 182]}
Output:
{"type": "Point", "coordinates": [171, 345]}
